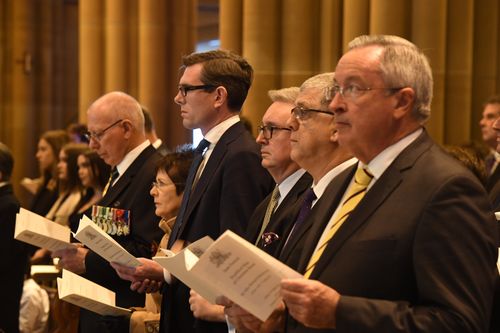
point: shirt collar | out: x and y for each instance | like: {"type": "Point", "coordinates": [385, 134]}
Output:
{"type": "Point", "coordinates": [382, 161]}
{"type": "Point", "coordinates": [289, 182]}
{"type": "Point", "coordinates": [213, 136]}
{"type": "Point", "coordinates": [130, 157]}
{"type": "Point", "coordinates": [320, 187]}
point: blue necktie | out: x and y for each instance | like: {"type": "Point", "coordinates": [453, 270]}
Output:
{"type": "Point", "coordinates": [198, 157]}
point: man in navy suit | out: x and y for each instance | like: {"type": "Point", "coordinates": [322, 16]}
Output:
{"type": "Point", "coordinates": [116, 133]}
{"type": "Point", "coordinates": [230, 181]}
{"type": "Point", "coordinates": [418, 252]}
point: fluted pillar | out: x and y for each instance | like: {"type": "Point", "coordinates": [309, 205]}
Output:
{"type": "Point", "coordinates": [390, 17]}
{"type": "Point", "coordinates": [330, 45]}
{"type": "Point", "coordinates": [261, 40]}
{"type": "Point", "coordinates": [300, 41]}
{"type": "Point", "coordinates": [152, 60]}
{"type": "Point", "coordinates": [429, 34]}
{"type": "Point", "coordinates": [20, 112]}
{"type": "Point", "coordinates": [356, 16]}
{"type": "Point", "coordinates": [458, 77]}
{"type": "Point", "coordinates": [116, 42]}
{"type": "Point", "coordinates": [181, 40]}
{"type": "Point", "coordinates": [231, 25]}
{"type": "Point", "coordinates": [486, 65]}
{"type": "Point", "coordinates": [91, 51]}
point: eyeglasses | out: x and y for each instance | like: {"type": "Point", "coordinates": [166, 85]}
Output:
{"type": "Point", "coordinates": [352, 91]}
{"type": "Point", "coordinates": [159, 184]}
{"type": "Point", "coordinates": [184, 89]}
{"type": "Point", "coordinates": [98, 135]}
{"type": "Point", "coordinates": [301, 113]}
{"type": "Point", "coordinates": [267, 130]}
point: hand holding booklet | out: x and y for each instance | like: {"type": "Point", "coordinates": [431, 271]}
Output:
{"type": "Point", "coordinates": [81, 292]}
{"type": "Point", "coordinates": [232, 267]}
{"type": "Point", "coordinates": [37, 230]}
{"type": "Point", "coordinates": [103, 244]}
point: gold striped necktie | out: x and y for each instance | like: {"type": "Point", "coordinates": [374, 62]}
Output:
{"type": "Point", "coordinates": [356, 192]}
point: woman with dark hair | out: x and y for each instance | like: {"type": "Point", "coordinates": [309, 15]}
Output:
{"type": "Point", "coordinates": [94, 174]}
{"type": "Point", "coordinates": [70, 187]}
{"type": "Point", "coordinates": [45, 188]}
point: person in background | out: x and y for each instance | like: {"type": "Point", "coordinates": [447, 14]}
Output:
{"type": "Point", "coordinates": [149, 128]}
{"type": "Point", "coordinates": [14, 253]}
{"type": "Point", "coordinates": [76, 133]}
{"type": "Point", "coordinates": [94, 174]}
{"type": "Point", "coordinates": [70, 192]}
{"type": "Point", "coordinates": [45, 188]}
{"type": "Point", "coordinates": [34, 307]}
{"type": "Point", "coordinates": [491, 112]}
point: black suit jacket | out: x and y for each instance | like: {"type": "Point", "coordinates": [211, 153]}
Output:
{"type": "Point", "coordinates": [416, 255]}
{"type": "Point", "coordinates": [14, 257]}
{"type": "Point", "coordinates": [281, 220]}
{"type": "Point", "coordinates": [131, 192]}
{"type": "Point", "coordinates": [232, 184]}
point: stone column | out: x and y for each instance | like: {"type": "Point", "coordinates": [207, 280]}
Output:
{"type": "Point", "coordinates": [429, 34]}
{"type": "Point", "coordinates": [91, 52]}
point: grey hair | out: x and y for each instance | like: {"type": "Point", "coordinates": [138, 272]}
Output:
{"type": "Point", "coordinates": [323, 81]}
{"type": "Point", "coordinates": [285, 95]}
{"type": "Point", "coordinates": [403, 64]}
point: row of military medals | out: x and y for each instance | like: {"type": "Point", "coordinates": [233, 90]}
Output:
{"type": "Point", "coordinates": [113, 221]}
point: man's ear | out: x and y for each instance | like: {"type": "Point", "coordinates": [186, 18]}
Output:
{"type": "Point", "coordinates": [220, 96]}
{"type": "Point", "coordinates": [405, 99]}
{"type": "Point", "coordinates": [127, 128]}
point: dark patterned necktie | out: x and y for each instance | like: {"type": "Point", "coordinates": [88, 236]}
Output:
{"type": "Point", "coordinates": [198, 157]}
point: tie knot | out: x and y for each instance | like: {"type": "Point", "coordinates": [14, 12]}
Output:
{"type": "Point", "coordinates": [114, 174]}
{"type": "Point", "coordinates": [202, 146]}
{"type": "Point", "coordinates": [363, 177]}
{"type": "Point", "coordinates": [310, 197]}
{"type": "Point", "coordinates": [276, 194]}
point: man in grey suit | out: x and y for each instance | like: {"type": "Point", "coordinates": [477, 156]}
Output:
{"type": "Point", "coordinates": [418, 252]}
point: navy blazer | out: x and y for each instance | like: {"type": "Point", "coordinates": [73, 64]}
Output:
{"type": "Point", "coordinates": [15, 258]}
{"type": "Point", "coordinates": [232, 184]}
{"type": "Point", "coordinates": [418, 252]}
{"type": "Point", "coordinates": [281, 220]}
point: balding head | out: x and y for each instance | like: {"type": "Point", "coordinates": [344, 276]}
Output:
{"type": "Point", "coordinates": [116, 124]}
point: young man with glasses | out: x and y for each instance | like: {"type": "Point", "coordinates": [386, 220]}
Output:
{"type": "Point", "coordinates": [228, 183]}
{"type": "Point", "coordinates": [116, 133]}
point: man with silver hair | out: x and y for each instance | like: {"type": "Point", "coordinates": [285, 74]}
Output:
{"type": "Point", "coordinates": [413, 247]}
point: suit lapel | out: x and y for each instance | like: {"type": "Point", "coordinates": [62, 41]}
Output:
{"type": "Point", "coordinates": [123, 182]}
{"type": "Point", "coordinates": [213, 163]}
{"type": "Point", "coordinates": [375, 197]}
{"type": "Point", "coordinates": [320, 215]}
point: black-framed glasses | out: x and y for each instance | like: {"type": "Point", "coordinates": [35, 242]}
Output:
{"type": "Point", "coordinates": [353, 91]}
{"type": "Point", "coordinates": [98, 135]}
{"type": "Point", "coordinates": [301, 113]}
{"type": "Point", "coordinates": [267, 130]}
{"type": "Point", "coordinates": [184, 89]}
